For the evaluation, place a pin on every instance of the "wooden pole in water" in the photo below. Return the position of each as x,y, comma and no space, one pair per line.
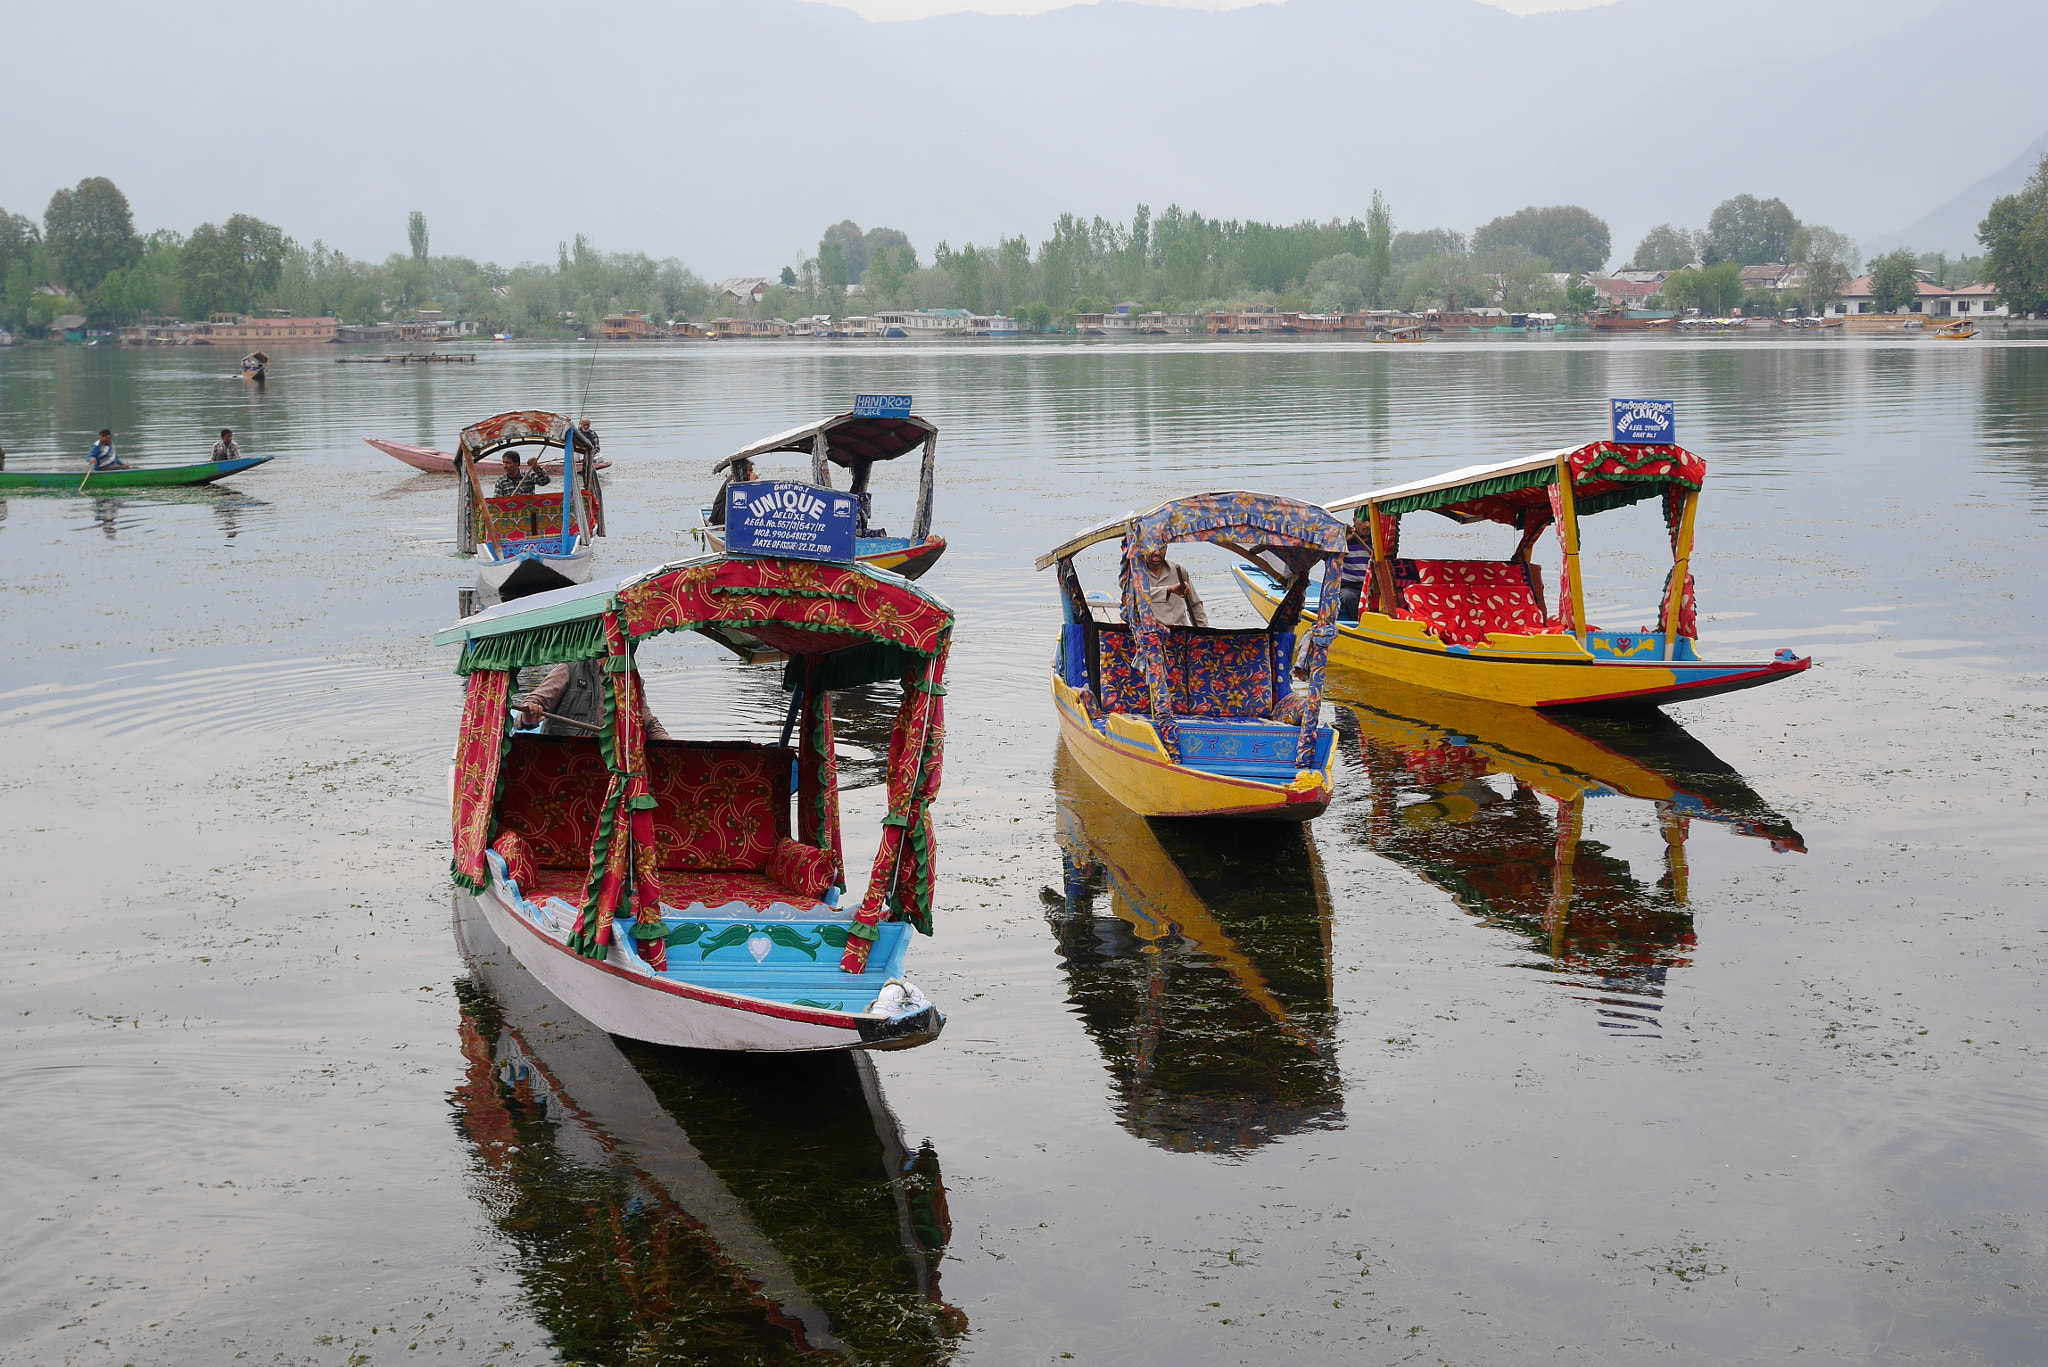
1681,566
1568,525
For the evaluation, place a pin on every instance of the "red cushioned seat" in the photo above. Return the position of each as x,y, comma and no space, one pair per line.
1462,601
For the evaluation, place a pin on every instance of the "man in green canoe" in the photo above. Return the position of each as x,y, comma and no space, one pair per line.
102,456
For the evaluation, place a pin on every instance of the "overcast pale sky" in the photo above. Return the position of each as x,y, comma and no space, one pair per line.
923,9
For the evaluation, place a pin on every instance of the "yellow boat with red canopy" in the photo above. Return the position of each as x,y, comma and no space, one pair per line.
1482,628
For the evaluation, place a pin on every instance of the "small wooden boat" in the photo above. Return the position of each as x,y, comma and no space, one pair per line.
777,1197
1199,721
527,543
1482,627
1402,335
1954,332
1198,958
660,888
206,472
443,462
855,444
255,367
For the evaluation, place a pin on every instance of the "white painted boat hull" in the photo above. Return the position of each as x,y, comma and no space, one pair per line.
528,573
622,997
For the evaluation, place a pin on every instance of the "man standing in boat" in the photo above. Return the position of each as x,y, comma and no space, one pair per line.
586,437
574,694
1171,593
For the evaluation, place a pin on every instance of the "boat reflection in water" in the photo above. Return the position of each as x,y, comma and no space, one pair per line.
670,1205
1487,801
1205,979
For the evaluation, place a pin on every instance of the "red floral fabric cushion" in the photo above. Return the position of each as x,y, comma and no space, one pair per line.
1463,600
552,789
801,868
518,856
717,808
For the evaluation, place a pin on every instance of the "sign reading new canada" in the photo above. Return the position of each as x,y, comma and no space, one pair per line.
1645,422
881,405
784,518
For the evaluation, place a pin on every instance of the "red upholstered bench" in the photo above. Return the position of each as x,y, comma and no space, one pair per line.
721,819
1462,601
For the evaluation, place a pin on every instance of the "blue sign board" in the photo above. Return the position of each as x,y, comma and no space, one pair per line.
1645,422
782,517
881,405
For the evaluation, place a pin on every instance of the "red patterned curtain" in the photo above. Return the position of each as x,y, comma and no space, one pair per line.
1148,644
623,855
479,753
906,861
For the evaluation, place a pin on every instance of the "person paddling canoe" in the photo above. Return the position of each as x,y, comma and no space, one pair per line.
101,456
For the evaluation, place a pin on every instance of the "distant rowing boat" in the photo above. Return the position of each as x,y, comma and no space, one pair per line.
443,462
163,476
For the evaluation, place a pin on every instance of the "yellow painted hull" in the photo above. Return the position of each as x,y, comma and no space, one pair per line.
1526,671
1130,765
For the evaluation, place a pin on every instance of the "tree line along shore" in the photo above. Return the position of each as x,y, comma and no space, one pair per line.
85,266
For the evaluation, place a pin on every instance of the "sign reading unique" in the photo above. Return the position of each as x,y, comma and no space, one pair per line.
1645,422
782,517
881,405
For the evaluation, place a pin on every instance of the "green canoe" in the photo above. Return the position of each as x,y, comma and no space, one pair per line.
205,473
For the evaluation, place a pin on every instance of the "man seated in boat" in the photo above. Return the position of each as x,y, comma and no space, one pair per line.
102,457
574,694
518,479
225,448
741,471
1171,593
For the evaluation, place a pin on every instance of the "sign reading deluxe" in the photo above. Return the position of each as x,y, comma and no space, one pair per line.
785,518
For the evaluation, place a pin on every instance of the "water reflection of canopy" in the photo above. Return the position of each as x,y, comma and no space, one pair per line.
524,427
1605,475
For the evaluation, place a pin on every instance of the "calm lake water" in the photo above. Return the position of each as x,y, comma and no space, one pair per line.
1710,1039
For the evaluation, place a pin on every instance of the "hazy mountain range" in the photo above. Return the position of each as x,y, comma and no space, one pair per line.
729,134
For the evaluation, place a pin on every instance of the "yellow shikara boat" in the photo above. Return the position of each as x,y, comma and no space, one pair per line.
1481,628
1954,332
1189,720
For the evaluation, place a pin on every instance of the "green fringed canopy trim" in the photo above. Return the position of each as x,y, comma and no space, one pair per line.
869,663
1645,486
549,645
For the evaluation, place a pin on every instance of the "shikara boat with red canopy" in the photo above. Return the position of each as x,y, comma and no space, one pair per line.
1189,721
527,543
662,889
1482,628
855,444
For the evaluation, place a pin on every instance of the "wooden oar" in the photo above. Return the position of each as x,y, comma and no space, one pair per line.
570,721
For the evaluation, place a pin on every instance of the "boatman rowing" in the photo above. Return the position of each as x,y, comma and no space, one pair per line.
102,456
574,694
